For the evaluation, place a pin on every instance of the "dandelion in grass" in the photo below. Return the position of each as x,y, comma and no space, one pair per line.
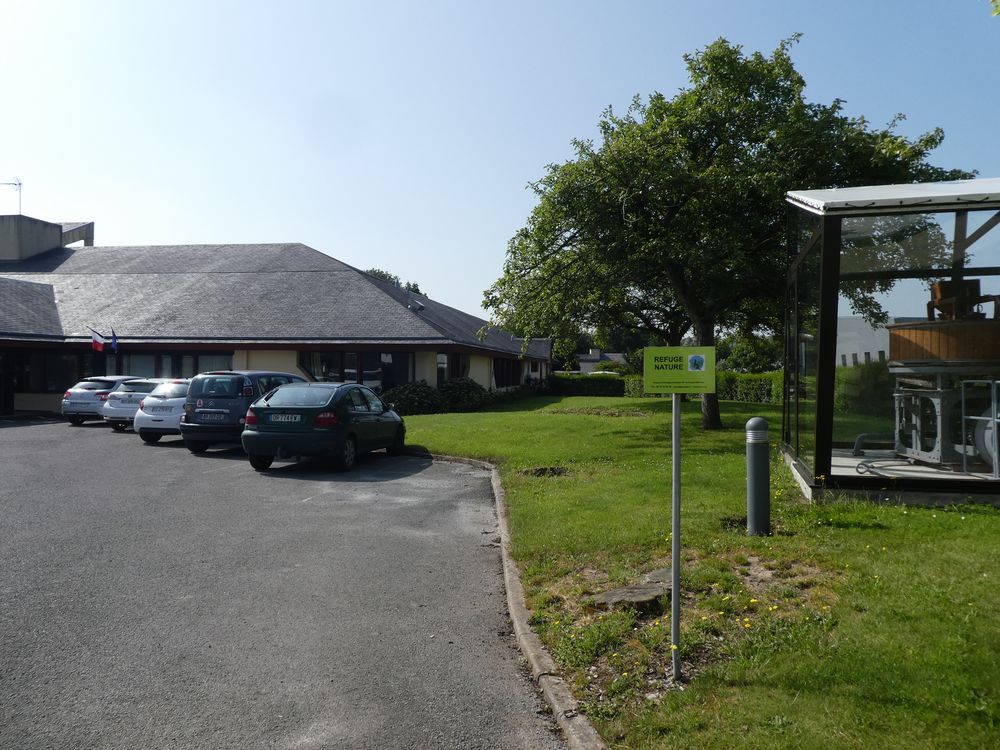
673,646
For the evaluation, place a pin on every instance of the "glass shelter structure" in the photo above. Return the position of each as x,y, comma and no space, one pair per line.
892,339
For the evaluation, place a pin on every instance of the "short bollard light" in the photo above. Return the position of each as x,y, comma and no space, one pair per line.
758,478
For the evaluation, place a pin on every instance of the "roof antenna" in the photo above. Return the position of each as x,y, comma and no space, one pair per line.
16,184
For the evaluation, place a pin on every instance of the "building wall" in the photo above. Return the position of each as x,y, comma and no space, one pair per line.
281,361
21,237
38,401
858,342
481,370
425,368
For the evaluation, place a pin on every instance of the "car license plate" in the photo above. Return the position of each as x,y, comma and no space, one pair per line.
286,417
162,409
211,417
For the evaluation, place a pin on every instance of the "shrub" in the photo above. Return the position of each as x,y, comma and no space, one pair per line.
755,388
578,384
464,394
415,398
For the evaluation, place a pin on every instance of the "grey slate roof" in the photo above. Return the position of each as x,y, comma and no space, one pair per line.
28,311
274,293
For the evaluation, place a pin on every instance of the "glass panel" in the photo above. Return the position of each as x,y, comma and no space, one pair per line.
214,362
143,365
397,369
325,366
442,361
350,367
292,395
806,350
919,331
371,370
187,366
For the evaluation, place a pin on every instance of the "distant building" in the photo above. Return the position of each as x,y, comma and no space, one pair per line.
179,310
592,361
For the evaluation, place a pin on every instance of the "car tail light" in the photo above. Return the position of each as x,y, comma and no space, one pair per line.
325,419
66,394
102,394
142,403
251,418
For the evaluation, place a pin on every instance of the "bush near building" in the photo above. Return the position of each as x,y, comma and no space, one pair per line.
578,384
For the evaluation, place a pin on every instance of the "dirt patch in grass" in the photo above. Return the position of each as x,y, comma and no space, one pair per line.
603,411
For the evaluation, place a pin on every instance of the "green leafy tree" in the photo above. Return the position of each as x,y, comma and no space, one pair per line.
750,353
392,278
674,222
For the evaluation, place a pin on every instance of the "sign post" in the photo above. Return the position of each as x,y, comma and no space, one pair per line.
677,370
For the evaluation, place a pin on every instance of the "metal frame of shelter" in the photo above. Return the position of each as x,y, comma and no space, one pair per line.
823,228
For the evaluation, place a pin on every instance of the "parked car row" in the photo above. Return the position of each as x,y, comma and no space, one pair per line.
271,414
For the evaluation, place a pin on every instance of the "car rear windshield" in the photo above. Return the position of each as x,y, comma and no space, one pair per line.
94,385
137,386
170,390
291,395
217,386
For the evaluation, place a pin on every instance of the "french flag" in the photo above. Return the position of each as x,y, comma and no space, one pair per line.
99,341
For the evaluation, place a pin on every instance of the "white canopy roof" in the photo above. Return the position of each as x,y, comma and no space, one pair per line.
881,199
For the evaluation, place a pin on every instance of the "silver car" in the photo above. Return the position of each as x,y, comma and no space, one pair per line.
121,404
84,400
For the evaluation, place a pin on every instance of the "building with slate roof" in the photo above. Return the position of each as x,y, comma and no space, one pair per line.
179,310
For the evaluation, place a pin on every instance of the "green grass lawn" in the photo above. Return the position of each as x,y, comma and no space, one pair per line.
854,625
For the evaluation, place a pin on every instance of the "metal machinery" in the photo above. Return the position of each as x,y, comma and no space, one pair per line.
947,371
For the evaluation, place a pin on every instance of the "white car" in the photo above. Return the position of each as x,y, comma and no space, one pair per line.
160,412
85,399
122,403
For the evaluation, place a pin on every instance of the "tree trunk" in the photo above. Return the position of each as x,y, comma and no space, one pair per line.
711,416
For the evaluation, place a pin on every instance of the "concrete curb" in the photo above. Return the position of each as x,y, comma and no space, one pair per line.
577,730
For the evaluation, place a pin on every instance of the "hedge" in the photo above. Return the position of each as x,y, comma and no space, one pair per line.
750,387
573,384
757,388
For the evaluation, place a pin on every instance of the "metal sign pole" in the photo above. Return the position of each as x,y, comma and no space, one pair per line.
675,538
677,370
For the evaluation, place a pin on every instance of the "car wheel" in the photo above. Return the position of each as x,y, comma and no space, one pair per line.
150,437
76,420
196,446
261,463
348,454
118,426
397,445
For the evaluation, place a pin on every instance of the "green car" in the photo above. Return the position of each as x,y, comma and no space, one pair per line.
338,420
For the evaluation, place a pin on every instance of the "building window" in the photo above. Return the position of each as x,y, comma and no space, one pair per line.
868,358
506,372
326,366
854,359
881,355
843,360
442,362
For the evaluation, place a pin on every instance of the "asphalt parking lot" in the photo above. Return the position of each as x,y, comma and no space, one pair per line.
151,598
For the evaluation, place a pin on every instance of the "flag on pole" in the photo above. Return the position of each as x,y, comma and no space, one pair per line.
97,340
114,341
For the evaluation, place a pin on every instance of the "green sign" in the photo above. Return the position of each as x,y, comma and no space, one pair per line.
679,369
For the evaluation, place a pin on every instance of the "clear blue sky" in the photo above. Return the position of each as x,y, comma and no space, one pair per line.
403,135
